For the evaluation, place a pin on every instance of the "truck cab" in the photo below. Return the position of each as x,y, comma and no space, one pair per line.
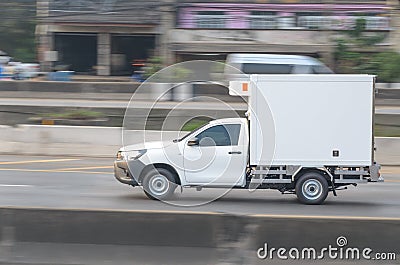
214,155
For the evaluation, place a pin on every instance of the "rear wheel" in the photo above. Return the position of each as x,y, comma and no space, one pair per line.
312,188
158,184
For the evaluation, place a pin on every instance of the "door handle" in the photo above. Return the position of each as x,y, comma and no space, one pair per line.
235,153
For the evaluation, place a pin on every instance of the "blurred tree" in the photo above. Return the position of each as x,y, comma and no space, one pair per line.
388,66
172,74
153,65
353,55
17,29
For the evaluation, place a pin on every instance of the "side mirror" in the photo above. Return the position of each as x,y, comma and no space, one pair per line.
193,142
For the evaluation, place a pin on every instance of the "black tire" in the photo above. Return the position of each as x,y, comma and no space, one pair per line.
159,184
312,188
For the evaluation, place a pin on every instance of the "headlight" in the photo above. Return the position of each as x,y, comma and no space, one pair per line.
130,155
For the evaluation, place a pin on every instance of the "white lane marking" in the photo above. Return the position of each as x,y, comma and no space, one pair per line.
55,171
38,161
15,185
84,168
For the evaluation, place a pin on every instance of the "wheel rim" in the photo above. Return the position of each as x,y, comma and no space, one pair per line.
159,185
312,189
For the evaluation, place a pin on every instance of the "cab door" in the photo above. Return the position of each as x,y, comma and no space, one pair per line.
216,156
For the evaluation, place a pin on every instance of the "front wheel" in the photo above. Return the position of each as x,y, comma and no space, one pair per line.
312,188
158,184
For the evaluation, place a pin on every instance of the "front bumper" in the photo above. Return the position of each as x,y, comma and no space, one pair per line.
122,174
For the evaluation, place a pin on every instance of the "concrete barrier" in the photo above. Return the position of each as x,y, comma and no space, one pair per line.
379,234
72,87
127,87
98,87
72,140
384,91
388,150
109,227
109,90
388,93
236,239
105,141
387,85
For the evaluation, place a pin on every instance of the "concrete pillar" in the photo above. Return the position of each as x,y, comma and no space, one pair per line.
394,37
42,9
45,44
44,38
167,12
104,54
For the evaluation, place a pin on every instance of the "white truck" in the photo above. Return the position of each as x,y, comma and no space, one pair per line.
304,135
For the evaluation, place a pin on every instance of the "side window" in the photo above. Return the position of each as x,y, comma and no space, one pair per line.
302,69
261,68
220,135
234,132
321,69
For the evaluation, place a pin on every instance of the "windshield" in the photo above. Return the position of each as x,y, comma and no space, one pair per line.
192,132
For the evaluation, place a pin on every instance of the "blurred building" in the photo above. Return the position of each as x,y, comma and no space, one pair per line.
105,36
97,36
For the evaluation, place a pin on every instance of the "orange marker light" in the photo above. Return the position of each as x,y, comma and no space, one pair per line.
245,87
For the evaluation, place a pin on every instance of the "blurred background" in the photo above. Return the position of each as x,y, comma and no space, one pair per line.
93,48
68,69
113,37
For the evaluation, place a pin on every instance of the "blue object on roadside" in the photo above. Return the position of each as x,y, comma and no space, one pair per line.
137,77
64,76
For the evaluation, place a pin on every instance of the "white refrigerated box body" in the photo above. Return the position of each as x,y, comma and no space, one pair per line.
311,120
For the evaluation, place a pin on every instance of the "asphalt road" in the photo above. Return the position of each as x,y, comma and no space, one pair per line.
88,183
